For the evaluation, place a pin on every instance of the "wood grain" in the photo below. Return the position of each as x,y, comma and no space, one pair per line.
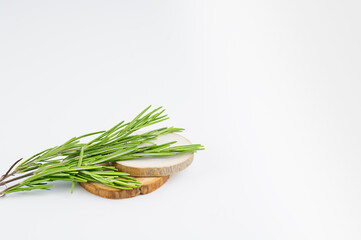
154,171
158,166
149,184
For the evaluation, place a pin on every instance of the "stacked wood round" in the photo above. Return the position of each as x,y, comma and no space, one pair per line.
151,172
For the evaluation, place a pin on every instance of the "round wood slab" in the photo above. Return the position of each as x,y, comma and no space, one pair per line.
158,166
149,184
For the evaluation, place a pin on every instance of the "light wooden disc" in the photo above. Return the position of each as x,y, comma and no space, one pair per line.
158,166
149,184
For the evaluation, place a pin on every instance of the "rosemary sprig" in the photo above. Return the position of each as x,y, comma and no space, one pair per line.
81,162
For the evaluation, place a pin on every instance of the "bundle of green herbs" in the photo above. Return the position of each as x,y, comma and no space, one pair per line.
78,161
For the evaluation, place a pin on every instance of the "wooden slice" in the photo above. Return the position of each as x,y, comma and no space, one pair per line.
148,185
158,166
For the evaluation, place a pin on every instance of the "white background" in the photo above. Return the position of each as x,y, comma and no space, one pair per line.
271,88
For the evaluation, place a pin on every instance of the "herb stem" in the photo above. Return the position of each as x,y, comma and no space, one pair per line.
3,193
16,178
6,175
